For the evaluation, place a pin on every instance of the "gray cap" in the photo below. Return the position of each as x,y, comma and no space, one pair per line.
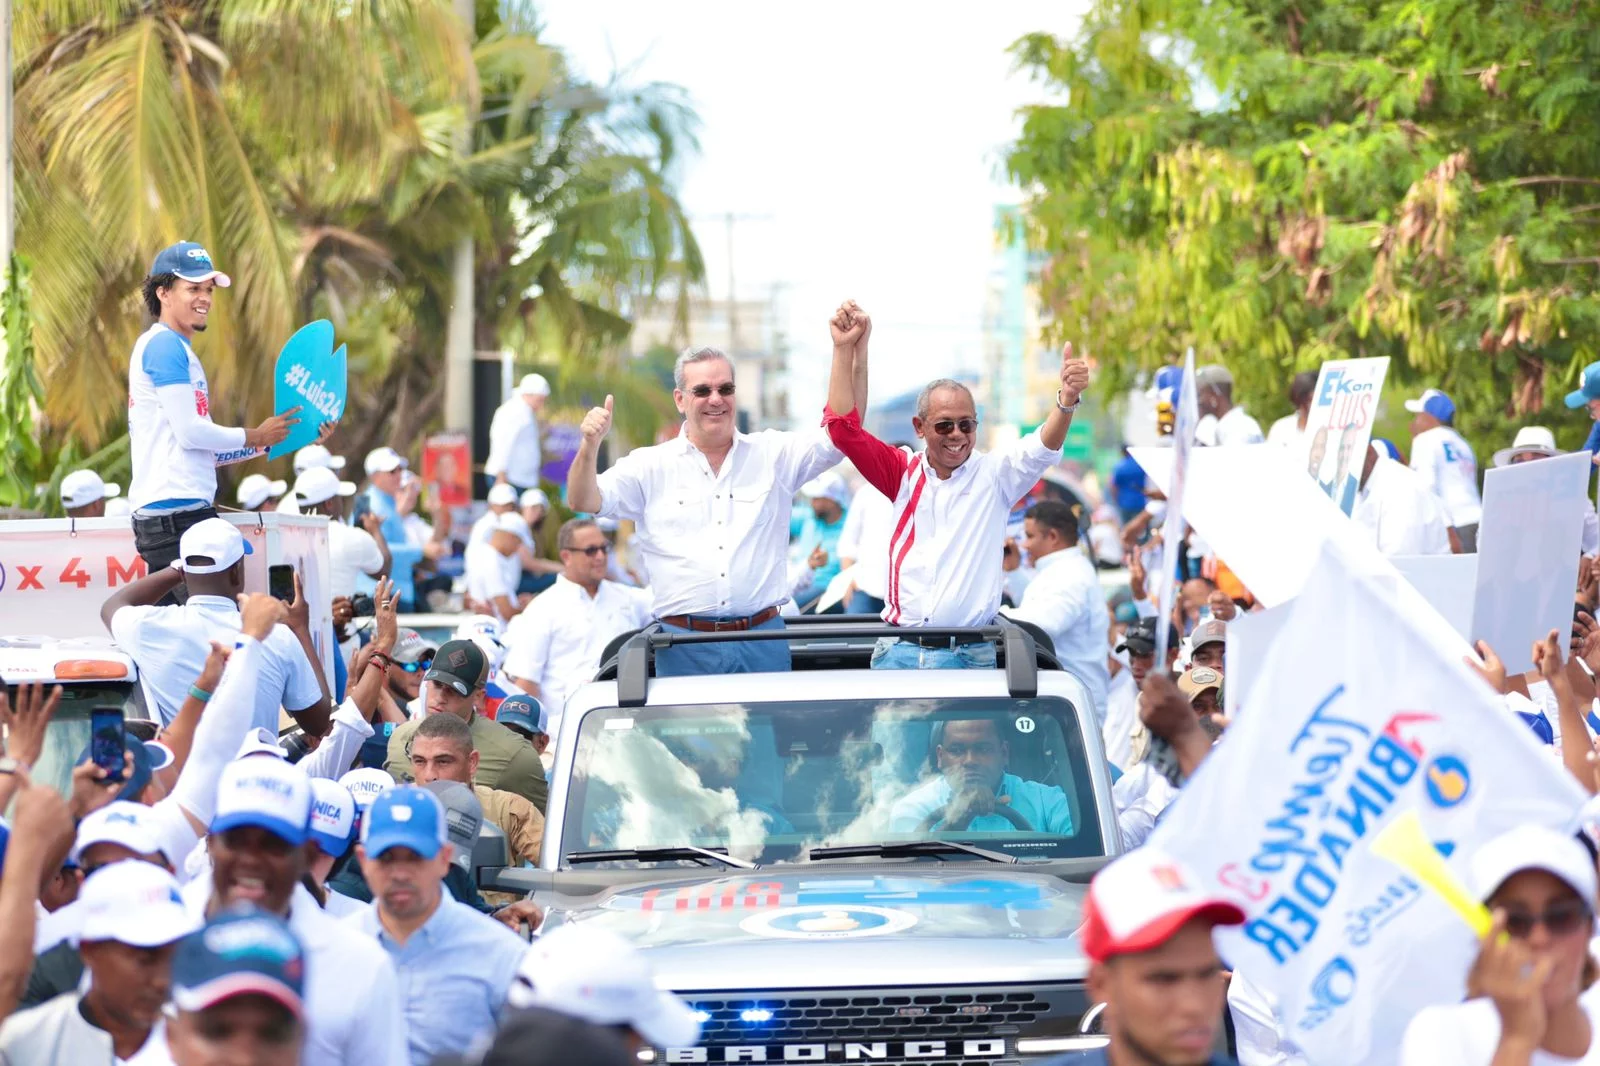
463,814
1213,375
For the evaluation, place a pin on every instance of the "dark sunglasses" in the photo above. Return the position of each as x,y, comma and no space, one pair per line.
1559,919
598,549
702,391
946,427
420,664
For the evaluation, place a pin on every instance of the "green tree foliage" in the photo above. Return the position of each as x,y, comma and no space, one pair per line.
1279,183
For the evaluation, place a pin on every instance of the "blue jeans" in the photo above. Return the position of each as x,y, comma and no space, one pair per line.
861,603
893,654
735,657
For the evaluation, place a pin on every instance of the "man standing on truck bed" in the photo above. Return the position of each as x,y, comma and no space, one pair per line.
175,447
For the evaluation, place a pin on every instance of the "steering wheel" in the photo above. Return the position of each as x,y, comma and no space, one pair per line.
1004,810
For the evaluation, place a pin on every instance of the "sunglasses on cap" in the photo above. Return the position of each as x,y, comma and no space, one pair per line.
702,391
420,664
945,426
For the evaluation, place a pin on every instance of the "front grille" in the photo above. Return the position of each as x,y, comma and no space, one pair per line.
974,1026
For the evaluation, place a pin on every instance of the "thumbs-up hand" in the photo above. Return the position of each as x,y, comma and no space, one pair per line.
597,423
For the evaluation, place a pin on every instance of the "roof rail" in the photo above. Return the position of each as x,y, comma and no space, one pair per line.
1021,652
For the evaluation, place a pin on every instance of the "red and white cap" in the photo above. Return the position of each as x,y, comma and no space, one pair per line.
1139,901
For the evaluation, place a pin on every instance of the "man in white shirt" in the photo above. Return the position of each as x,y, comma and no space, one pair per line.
84,495
1533,443
170,644
1214,392
1396,509
514,453
258,856
1445,461
951,503
351,551
864,548
133,919
258,492
310,456
502,499
1290,430
237,993
174,445
1064,598
555,645
493,568
712,514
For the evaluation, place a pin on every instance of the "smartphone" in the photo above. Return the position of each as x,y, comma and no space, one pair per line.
107,740
280,582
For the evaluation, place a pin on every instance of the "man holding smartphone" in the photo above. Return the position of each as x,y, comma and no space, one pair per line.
170,643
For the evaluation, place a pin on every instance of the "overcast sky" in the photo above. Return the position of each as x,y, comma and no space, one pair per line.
867,140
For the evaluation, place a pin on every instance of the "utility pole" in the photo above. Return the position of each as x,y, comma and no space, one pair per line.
460,339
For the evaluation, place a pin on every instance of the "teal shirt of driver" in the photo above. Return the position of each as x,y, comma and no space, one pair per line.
1044,807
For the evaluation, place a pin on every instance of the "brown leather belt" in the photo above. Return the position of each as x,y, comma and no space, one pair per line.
720,625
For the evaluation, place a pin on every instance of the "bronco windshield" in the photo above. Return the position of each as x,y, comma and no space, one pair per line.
769,781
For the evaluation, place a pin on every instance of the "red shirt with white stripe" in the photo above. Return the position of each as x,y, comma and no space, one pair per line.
949,534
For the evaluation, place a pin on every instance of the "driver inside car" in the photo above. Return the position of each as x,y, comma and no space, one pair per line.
974,792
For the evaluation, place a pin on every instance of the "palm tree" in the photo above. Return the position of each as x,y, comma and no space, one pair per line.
139,123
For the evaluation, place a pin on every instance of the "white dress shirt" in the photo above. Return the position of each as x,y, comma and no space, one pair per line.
868,524
716,543
490,574
556,643
1064,599
352,996
1286,432
1236,427
514,444
1450,471
1399,513
170,645
351,553
1122,714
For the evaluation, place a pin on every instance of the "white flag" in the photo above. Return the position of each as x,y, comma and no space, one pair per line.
1172,530
1357,717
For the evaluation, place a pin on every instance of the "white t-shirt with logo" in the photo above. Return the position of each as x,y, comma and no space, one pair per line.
1237,427
1450,471
174,445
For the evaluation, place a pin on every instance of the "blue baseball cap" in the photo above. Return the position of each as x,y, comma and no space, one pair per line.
242,951
189,261
1435,403
405,817
523,712
1588,387
145,763
269,794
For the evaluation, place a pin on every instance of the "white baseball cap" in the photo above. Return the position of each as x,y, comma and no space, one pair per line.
82,487
382,460
487,632
828,486
319,484
316,455
533,385
511,522
214,539
260,741
267,793
1528,439
1534,847
133,902
121,822
257,489
333,816
596,975
1140,900
534,498
502,495
366,785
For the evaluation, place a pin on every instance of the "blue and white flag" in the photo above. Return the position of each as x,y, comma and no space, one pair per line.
1358,716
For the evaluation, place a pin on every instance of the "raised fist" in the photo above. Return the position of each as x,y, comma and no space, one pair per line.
848,325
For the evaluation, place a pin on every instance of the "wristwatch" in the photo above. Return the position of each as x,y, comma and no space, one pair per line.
1063,407
8,765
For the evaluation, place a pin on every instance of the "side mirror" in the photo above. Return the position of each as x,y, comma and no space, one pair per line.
490,854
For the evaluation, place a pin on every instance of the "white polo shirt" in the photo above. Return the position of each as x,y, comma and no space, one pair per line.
868,525
1450,471
715,543
352,996
1064,599
1398,512
1286,432
490,574
174,445
1236,427
514,444
170,644
556,643
351,553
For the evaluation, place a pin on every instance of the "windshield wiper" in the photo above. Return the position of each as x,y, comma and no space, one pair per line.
892,848
704,856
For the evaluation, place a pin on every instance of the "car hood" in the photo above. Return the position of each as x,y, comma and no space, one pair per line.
848,929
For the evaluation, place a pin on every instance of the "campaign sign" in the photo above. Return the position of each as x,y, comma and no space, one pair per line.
1364,718
1340,425
309,375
